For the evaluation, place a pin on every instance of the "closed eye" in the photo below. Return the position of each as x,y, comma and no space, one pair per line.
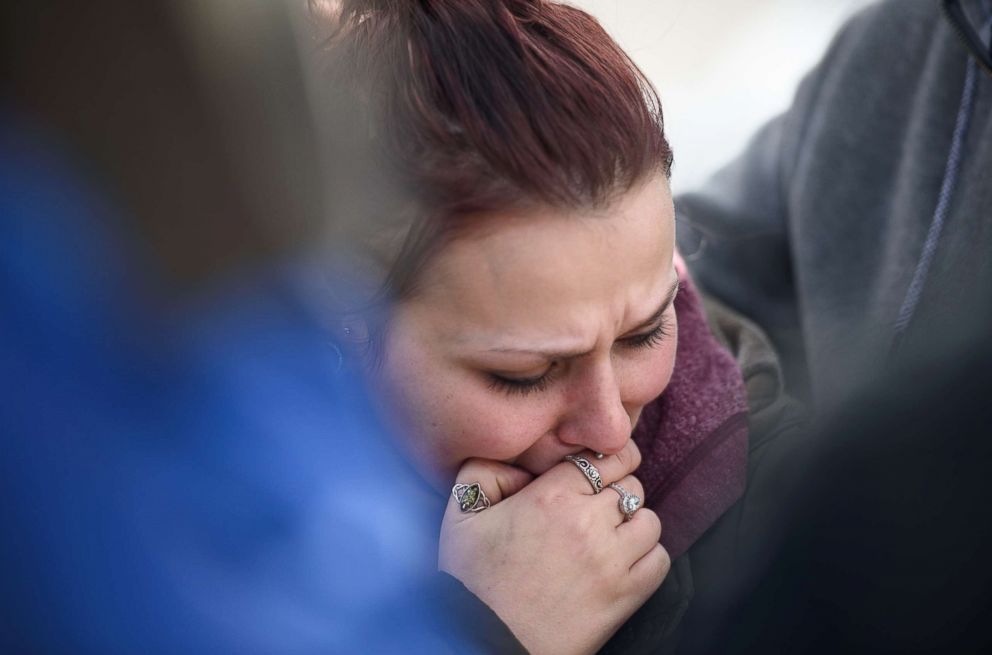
522,386
650,339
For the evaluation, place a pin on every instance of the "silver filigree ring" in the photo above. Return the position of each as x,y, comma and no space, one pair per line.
628,503
590,471
470,497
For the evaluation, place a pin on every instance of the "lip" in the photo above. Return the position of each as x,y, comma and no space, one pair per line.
539,470
547,465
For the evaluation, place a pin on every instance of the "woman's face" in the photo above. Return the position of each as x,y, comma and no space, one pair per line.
537,335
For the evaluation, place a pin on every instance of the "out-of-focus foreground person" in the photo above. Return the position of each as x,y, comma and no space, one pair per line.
188,464
884,545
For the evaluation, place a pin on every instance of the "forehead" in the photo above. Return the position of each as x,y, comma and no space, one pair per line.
553,271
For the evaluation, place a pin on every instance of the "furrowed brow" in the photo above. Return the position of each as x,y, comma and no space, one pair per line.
554,354
665,304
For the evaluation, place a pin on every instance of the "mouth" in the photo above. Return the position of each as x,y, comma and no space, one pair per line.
538,460
537,468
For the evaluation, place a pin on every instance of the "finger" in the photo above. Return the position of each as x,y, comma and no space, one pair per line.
640,534
613,497
610,469
650,571
495,479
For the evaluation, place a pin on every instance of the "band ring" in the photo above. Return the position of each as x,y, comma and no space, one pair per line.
588,470
628,502
470,497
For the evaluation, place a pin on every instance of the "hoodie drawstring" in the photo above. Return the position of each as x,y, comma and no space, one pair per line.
947,187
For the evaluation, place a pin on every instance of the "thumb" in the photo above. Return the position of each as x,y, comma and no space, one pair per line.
496,481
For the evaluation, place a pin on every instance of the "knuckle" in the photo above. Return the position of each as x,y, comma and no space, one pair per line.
586,529
634,486
550,499
651,521
586,537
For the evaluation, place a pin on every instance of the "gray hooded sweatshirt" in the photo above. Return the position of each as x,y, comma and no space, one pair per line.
856,227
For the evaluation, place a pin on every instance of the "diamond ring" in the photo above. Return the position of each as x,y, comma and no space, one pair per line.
470,497
590,471
628,502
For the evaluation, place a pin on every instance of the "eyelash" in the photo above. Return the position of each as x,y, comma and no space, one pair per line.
527,386
522,387
651,339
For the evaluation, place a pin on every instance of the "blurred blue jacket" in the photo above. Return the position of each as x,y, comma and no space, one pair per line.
184,479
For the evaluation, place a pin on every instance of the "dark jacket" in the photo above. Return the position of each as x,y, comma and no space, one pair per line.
883,545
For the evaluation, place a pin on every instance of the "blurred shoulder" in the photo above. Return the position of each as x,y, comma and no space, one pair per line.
891,24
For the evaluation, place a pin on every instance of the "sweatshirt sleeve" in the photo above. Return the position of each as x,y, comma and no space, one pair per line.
469,624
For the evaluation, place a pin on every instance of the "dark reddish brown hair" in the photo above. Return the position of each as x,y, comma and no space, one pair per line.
481,106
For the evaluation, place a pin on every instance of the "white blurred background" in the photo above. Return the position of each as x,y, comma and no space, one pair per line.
721,67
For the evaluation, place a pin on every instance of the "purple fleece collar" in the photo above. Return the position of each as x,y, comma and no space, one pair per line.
693,437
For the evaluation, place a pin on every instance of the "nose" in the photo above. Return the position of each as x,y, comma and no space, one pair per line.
595,417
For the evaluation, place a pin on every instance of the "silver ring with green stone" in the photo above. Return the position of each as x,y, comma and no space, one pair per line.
470,497
590,471
628,503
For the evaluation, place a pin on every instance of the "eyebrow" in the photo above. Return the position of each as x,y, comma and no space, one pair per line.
564,354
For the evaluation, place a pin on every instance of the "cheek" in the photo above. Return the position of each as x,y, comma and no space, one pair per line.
647,374
444,414
476,424
480,423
